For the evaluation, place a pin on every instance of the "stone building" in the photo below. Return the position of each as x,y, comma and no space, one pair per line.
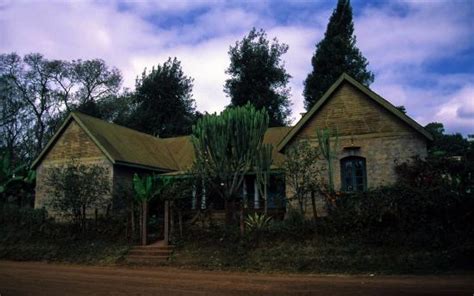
372,137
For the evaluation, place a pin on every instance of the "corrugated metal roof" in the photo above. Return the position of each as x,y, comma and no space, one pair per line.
124,146
128,145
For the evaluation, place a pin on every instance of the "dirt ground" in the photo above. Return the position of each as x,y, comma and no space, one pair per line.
27,278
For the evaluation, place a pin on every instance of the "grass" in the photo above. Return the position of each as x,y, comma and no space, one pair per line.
318,255
20,244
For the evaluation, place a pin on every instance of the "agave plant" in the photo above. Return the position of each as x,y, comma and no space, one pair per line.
257,222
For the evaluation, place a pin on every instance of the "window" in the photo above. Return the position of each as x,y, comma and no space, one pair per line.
353,174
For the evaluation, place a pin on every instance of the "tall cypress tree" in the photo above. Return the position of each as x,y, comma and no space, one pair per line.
335,54
258,76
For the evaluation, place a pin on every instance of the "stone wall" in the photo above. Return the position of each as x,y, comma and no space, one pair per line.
73,143
367,130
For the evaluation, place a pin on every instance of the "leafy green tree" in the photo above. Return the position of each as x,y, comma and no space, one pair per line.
335,54
76,189
37,93
164,103
303,174
446,144
258,76
226,146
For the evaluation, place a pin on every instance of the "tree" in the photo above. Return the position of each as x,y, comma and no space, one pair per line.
335,54
31,79
303,174
164,103
258,76
37,93
77,188
226,146
446,144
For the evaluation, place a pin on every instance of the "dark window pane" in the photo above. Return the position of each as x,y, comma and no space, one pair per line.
353,174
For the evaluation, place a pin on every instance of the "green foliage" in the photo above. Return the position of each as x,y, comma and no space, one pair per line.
37,93
431,204
257,222
328,151
75,189
143,188
163,101
146,189
150,187
303,174
445,145
262,170
28,234
336,54
258,76
226,146
14,180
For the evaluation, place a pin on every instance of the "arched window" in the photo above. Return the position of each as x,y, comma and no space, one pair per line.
353,174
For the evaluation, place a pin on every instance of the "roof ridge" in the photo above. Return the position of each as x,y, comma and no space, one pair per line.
364,89
115,124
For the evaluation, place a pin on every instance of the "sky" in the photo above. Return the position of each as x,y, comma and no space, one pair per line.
421,52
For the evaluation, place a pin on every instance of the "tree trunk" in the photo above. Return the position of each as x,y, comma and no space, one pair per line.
132,221
144,226
83,222
171,219
96,218
228,212
300,201
242,225
265,195
166,223
313,203
180,223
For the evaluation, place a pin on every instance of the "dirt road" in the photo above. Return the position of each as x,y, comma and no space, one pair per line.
26,278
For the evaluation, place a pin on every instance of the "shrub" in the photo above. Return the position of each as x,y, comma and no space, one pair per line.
76,189
431,204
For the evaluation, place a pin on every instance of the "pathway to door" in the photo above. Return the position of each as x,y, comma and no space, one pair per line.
26,278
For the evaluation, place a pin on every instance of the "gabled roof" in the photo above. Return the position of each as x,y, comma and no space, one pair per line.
128,147
370,94
182,148
121,145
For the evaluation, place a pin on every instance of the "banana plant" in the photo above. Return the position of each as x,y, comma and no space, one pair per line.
143,188
8,175
146,189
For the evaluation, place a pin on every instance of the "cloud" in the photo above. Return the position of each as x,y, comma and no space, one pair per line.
400,39
458,112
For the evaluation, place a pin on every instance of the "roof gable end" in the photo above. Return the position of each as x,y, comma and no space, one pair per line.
344,78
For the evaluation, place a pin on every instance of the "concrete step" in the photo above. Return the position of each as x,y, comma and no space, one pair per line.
144,252
143,260
150,254
152,247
